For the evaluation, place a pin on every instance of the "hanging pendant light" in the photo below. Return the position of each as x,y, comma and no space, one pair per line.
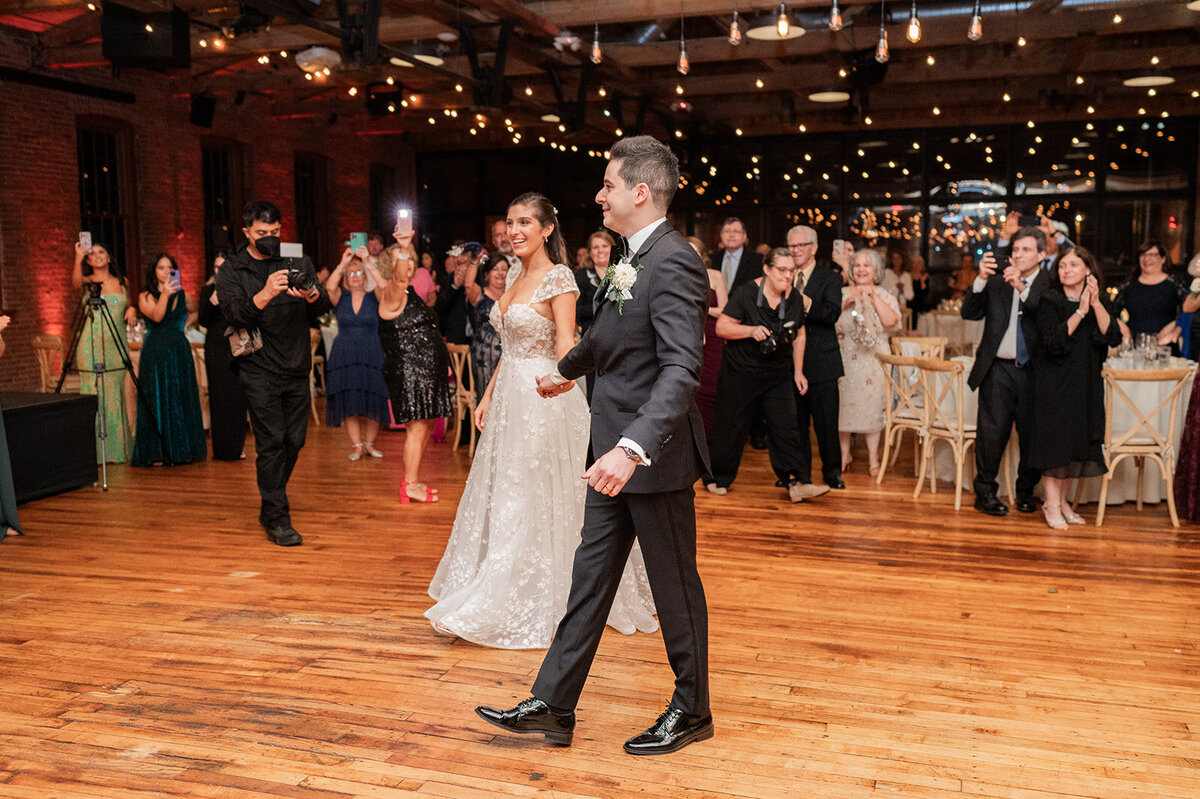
781,24
597,56
735,32
975,31
914,25
835,18
881,50
683,67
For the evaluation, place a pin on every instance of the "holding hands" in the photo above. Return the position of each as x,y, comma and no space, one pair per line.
547,387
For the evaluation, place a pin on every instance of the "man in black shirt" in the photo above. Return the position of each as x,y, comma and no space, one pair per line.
279,298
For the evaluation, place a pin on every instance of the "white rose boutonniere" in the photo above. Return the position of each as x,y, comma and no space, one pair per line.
621,279
1195,289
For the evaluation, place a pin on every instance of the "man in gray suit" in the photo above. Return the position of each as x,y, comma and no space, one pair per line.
647,448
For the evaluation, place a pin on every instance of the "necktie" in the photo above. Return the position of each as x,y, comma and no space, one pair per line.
1022,350
800,281
727,270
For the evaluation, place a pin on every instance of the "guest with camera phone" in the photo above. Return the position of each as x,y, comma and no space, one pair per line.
270,303
763,325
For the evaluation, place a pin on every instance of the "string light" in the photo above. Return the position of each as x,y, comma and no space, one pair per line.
1021,41
975,30
914,25
1116,19
835,17
930,60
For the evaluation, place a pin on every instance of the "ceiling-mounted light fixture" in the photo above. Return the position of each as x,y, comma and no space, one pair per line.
683,67
597,56
781,24
835,17
975,30
881,49
829,96
735,31
1148,80
914,25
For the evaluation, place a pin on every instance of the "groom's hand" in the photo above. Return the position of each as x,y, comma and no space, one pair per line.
610,472
547,388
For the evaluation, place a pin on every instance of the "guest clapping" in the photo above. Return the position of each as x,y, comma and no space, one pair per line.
357,396
167,373
870,314
1151,298
763,325
415,365
1075,328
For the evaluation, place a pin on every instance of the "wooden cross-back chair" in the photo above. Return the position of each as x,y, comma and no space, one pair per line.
929,346
1142,439
904,409
945,393
464,396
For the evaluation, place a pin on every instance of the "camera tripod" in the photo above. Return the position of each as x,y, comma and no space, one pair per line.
94,307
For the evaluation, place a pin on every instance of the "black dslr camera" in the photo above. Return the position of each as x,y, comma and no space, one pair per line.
781,338
302,277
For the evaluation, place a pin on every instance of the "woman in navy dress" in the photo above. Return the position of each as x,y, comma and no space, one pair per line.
354,388
167,373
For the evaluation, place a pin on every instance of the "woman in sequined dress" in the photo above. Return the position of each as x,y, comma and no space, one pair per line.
416,366
504,577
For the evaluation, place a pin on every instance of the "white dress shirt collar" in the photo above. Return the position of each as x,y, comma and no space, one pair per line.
638,239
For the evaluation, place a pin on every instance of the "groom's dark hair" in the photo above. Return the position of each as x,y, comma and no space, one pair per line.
644,159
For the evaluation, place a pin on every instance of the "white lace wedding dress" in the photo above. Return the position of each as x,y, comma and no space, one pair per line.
504,577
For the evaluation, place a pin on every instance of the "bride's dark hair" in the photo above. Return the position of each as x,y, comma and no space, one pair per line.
543,211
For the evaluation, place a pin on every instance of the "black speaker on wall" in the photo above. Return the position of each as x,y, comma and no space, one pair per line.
157,40
204,106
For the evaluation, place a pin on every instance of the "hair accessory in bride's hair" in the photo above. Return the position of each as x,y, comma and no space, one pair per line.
555,210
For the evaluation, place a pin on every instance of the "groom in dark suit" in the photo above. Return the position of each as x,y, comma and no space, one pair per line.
647,448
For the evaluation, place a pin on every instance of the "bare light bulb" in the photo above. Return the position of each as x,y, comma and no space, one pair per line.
975,31
881,50
914,25
835,17
781,25
683,67
597,56
735,32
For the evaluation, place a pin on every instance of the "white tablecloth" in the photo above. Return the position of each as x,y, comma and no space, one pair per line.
1123,487
962,335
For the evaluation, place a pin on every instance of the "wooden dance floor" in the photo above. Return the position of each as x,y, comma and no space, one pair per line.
153,643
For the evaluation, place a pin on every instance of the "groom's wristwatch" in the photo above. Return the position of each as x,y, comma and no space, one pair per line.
632,454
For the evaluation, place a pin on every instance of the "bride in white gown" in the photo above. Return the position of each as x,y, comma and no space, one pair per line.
504,577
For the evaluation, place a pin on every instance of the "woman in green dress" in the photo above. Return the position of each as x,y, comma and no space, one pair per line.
97,345
8,495
167,373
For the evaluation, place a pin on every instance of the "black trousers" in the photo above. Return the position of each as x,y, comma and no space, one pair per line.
665,526
279,407
1005,397
741,400
820,406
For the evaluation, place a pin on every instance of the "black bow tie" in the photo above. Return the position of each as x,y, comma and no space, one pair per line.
622,247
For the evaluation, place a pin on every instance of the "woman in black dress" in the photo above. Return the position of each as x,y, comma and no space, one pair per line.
416,366
1075,327
226,404
1150,300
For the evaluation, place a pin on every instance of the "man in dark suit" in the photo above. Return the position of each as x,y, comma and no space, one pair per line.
736,262
1005,299
822,291
647,448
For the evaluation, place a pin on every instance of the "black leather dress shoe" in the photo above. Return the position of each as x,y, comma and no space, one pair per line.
991,506
284,536
837,483
532,716
673,731
1026,504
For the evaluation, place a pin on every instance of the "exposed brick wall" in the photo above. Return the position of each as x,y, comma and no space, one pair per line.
39,197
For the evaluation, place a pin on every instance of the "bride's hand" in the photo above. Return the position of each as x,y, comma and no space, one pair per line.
481,410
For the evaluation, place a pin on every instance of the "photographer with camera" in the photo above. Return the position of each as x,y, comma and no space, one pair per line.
763,325
270,302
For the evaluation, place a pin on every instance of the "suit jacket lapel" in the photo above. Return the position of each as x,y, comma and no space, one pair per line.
601,297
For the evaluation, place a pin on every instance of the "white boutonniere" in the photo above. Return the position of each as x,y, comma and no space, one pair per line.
621,279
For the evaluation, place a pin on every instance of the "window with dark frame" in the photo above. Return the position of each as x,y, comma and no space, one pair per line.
106,192
221,173
310,186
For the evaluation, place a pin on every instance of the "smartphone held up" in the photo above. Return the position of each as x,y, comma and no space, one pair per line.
404,221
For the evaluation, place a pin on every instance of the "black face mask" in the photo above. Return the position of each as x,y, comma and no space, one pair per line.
267,246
